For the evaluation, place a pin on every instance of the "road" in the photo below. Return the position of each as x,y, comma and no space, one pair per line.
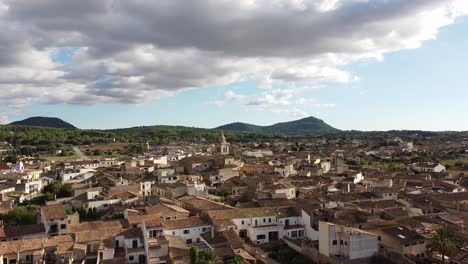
80,154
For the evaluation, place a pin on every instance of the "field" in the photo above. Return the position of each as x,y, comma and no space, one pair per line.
453,162
104,147
59,158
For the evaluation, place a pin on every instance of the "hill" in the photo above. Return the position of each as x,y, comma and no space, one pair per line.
43,122
305,126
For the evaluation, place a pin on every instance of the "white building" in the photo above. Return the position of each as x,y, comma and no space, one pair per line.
261,225
346,242
155,244
188,229
55,219
81,174
286,170
428,167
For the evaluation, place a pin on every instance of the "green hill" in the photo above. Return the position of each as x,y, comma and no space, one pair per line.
43,122
305,126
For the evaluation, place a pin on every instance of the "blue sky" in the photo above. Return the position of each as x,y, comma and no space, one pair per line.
362,65
424,88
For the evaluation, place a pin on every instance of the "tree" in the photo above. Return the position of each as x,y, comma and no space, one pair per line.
194,255
236,260
209,257
442,241
20,215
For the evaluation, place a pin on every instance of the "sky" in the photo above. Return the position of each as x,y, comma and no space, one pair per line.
362,65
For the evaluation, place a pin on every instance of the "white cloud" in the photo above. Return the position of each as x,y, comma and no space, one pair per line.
278,97
228,96
136,51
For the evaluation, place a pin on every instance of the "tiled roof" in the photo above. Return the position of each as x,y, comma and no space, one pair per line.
22,230
54,212
4,166
184,223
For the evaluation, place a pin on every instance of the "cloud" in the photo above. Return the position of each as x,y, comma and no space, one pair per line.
228,96
278,97
136,51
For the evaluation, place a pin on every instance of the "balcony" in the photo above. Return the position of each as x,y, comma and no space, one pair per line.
154,242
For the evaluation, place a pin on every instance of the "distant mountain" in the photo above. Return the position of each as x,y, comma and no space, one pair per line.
44,122
305,126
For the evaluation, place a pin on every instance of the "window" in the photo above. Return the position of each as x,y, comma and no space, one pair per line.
63,226
264,220
269,220
379,238
189,241
406,245
130,258
28,257
242,222
173,233
341,242
260,236
335,242
204,229
186,231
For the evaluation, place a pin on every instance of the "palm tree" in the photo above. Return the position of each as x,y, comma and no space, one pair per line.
441,241
209,257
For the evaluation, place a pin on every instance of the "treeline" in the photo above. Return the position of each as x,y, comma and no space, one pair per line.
29,140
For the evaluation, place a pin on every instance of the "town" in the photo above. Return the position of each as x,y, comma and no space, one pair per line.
392,199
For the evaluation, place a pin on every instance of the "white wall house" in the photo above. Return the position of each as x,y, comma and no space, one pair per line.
55,220
345,242
286,170
306,221
82,174
260,225
155,244
428,167
188,229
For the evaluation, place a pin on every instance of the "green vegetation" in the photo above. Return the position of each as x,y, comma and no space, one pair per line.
236,260
219,192
442,242
31,140
204,257
305,126
89,214
455,162
20,215
194,255
55,190
285,255
44,122
61,190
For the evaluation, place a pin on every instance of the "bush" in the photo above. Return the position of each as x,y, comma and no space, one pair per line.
20,215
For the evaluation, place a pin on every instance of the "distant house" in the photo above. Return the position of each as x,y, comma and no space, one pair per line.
189,229
402,240
260,225
428,167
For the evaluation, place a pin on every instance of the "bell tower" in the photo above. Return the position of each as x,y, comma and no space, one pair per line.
222,146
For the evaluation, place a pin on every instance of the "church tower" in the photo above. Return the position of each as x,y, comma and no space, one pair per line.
222,146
